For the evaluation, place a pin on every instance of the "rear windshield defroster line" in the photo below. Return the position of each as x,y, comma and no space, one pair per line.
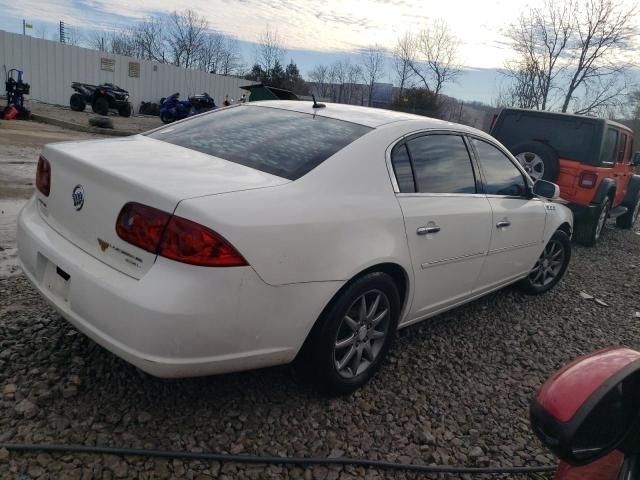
276,141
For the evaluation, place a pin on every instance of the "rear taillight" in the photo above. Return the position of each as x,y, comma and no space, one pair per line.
142,226
43,176
190,242
588,179
175,237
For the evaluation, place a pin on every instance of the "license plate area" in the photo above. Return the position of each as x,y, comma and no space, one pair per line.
56,280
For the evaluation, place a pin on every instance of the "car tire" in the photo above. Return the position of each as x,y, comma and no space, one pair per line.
538,159
125,110
545,274
101,106
587,233
628,220
321,355
77,103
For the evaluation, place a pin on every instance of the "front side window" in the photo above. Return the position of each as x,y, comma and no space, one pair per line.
280,142
502,177
441,164
609,148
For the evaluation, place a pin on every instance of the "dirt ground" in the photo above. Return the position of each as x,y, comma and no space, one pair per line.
20,145
135,123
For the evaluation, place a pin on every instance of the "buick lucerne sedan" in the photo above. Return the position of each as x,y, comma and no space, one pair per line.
276,231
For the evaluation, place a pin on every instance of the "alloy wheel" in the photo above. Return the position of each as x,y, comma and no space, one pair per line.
532,164
548,265
361,334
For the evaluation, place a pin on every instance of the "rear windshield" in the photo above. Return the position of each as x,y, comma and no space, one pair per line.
280,142
573,138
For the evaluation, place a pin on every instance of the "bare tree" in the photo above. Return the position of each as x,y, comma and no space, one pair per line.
150,38
339,74
186,34
403,55
269,50
373,61
231,61
540,38
211,52
320,76
435,63
354,75
604,30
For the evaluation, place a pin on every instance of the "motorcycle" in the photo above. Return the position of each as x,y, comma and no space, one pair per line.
172,108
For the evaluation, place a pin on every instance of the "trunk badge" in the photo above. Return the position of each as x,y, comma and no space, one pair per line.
78,197
103,245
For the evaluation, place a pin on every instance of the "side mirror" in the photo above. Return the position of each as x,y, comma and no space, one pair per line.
636,159
545,189
590,407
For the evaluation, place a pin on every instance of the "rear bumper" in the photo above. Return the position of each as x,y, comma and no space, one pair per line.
178,320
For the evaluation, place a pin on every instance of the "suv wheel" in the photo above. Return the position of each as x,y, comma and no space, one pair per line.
588,233
540,161
349,344
550,267
628,220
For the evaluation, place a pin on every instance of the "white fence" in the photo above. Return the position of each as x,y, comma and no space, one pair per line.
50,67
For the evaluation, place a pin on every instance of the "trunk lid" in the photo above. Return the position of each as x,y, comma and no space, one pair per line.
92,180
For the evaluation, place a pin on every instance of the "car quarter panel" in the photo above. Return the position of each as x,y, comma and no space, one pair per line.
337,220
179,319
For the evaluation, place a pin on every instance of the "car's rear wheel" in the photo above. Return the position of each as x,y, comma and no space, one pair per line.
589,232
550,266
349,344
540,161
628,220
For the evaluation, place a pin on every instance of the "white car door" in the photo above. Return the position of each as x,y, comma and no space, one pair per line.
448,223
518,219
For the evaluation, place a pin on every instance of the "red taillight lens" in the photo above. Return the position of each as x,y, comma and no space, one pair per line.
43,176
190,242
142,226
175,237
588,179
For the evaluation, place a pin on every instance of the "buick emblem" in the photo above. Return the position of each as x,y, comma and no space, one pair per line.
78,197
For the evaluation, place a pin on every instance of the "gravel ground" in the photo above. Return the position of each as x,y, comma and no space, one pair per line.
454,391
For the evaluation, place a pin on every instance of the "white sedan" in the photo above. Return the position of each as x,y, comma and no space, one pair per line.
272,231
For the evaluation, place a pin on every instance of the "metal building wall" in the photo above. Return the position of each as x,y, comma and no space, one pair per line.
50,67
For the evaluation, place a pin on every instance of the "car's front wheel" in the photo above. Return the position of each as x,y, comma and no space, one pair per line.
349,344
550,266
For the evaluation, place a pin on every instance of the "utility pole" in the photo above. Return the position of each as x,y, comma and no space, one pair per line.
24,27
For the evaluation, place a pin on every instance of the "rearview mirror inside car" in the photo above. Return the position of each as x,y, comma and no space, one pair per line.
590,407
545,189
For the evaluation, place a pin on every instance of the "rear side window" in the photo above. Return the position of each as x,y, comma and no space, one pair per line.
502,177
280,142
609,146
441,164
622,146
402,168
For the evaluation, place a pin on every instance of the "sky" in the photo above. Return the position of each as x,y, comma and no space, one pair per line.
312,32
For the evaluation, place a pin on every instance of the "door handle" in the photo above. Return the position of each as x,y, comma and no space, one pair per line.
427,230
503,224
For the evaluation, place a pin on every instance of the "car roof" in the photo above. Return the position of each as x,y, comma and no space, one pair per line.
543,113
369,117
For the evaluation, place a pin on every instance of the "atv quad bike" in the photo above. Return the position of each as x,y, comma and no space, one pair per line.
102,98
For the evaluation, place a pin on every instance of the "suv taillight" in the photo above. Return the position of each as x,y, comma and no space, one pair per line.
43,176
175,237
588,179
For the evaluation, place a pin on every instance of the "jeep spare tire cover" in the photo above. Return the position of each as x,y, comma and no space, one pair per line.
538,159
